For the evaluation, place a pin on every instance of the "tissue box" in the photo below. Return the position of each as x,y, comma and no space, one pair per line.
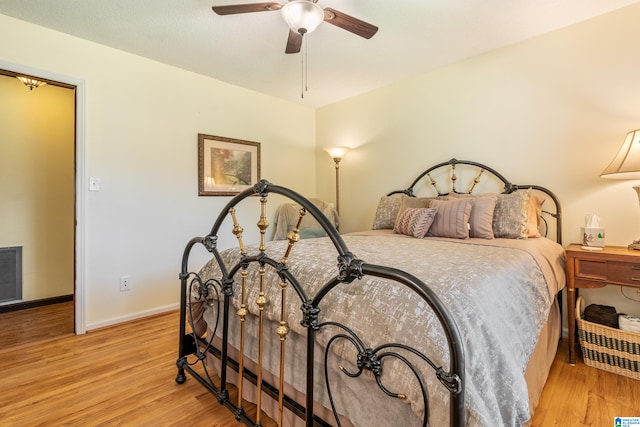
592,236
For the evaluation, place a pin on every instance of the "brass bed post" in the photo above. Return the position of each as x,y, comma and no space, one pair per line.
283,329
434,183
242,311
237,231
293,236
454,178
475,182
263,223
282,332
261,302
242,314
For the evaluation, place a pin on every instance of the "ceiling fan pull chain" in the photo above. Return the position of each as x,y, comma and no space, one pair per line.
302,85
304,59
306,64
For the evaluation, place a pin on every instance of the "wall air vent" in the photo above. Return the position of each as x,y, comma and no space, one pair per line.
10,274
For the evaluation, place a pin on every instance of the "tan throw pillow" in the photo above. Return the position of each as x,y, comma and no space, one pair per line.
511,214
535,212
414,202
387,211
414,222
452,218
481,217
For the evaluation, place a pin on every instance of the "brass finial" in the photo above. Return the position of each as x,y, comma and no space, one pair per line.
237,230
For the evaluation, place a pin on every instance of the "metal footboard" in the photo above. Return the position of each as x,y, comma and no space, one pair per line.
233,281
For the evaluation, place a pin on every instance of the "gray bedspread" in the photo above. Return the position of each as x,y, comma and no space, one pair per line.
499,292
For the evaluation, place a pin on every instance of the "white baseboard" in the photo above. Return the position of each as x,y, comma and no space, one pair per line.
140,314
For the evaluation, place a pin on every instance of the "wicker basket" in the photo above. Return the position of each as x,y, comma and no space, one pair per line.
606,348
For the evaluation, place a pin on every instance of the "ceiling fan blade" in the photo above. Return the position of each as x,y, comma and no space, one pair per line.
246,8
294,42
349,23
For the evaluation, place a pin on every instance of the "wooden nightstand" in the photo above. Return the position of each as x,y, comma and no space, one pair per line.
614,265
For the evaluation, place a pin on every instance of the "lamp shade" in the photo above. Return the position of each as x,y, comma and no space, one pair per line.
337,152
302,16
626,164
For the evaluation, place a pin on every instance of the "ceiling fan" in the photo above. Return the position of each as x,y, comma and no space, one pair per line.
303,16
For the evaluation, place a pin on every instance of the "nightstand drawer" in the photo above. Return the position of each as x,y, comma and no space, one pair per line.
591,269
623,272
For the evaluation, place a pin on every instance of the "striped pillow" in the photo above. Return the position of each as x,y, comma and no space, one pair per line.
481,216
414,222
452,218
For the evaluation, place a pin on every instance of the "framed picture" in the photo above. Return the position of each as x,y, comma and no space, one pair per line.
226,166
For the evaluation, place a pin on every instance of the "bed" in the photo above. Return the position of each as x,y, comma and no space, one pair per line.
444,313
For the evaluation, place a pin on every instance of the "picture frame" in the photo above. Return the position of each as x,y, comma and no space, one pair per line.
226,166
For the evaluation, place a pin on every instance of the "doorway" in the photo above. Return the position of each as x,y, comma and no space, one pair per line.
64,258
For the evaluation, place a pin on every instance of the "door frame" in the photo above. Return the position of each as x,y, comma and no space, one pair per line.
80,128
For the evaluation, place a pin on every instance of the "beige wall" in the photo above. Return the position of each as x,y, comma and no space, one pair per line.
552,110
142,122
37,184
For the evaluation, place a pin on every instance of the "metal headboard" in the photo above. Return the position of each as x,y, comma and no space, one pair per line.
552,211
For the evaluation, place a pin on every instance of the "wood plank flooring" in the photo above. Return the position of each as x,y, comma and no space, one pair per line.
125,375
122,375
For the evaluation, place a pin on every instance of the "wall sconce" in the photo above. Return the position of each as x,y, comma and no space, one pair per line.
337,153
626,165
31,83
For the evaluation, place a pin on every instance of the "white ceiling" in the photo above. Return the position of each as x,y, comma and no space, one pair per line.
247,50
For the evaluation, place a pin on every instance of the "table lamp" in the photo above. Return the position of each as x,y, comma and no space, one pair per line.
626,165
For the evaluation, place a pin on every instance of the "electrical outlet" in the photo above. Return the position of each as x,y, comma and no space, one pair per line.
125,283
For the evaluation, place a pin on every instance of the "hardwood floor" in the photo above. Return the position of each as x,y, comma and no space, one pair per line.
580,395
36,324
124,375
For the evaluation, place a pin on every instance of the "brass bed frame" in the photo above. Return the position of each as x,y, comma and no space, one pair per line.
218,292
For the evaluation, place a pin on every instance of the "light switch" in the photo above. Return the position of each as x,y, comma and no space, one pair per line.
94,184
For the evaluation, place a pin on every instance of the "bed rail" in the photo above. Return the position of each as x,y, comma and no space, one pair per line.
232,280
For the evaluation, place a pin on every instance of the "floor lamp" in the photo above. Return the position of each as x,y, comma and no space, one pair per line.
626,165
337,153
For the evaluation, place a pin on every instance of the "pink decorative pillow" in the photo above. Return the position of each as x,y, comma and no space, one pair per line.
452,218
414,222
481,217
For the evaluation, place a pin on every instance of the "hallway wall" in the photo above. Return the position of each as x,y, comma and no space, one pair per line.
37,184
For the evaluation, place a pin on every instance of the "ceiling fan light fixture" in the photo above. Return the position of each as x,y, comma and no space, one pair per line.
302,16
